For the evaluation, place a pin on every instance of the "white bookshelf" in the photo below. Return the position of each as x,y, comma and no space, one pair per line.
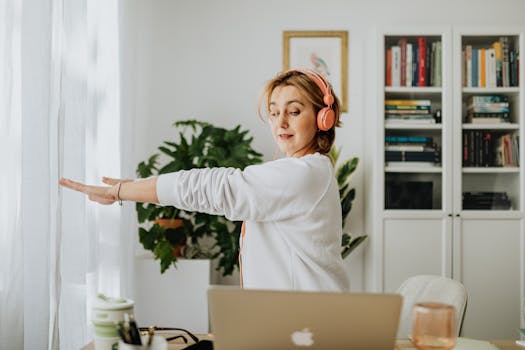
484,249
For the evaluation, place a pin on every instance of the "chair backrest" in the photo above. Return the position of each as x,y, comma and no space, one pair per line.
423,288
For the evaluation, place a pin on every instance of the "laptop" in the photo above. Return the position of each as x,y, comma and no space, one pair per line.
243,319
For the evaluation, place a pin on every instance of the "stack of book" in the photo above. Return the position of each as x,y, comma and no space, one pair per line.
414,62
410,151
408,112
483,148
488,109
491,66
486,200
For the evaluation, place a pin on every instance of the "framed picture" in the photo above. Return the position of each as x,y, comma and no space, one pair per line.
324,51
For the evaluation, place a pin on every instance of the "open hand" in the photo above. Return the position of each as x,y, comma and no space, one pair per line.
100,194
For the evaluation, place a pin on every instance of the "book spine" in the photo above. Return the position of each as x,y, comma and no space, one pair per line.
439,59
491,68
408,102
415,66
475,80
403,48
396,66
422,46
409,69
388,70
468,58
483,68
505,68
499,62
487,98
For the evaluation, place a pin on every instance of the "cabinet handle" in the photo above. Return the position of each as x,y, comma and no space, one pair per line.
449,215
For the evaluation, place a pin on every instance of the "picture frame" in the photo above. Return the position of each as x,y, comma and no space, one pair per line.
324,51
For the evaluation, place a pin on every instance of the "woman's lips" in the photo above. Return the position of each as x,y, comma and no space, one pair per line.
285,136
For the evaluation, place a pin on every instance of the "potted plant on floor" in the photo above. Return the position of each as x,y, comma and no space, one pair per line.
347,195
171,233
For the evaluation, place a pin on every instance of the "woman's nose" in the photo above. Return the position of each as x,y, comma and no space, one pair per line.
282,120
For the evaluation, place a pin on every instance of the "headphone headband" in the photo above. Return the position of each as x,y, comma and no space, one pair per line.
321,82
326,116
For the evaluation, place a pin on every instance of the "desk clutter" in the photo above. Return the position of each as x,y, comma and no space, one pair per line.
115,328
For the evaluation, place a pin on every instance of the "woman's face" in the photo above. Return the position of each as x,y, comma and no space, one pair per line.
292,120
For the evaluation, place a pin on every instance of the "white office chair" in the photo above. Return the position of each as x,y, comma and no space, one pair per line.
423,288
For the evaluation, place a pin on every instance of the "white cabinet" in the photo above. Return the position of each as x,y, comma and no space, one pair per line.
460,213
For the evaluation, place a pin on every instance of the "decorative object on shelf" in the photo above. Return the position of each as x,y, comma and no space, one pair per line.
347,195
191,234
323,51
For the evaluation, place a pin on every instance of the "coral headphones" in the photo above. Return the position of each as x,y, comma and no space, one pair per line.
326,116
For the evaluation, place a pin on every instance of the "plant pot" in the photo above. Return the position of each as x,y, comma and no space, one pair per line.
177,251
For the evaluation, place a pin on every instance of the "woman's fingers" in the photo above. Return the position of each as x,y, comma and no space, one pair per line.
100,194
112,181
77,186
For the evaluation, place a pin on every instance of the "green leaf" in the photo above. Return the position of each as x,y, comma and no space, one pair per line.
352,245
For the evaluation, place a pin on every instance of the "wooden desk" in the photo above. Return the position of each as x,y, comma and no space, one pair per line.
404,344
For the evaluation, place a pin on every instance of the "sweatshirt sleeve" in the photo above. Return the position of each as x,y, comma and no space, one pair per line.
275,190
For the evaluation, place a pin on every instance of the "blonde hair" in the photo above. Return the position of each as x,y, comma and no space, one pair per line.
323,140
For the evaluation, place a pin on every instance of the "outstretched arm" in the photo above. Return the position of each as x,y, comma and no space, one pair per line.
137,191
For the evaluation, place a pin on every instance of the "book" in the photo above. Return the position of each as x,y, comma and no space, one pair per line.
409,63
487,117
403,49
468,65
487,98
499,61
488,108
437,63
396,66
475,68
482,68
407,102
490,57
422,66
425,156
486,120
388,69
505,65
408,139
406,147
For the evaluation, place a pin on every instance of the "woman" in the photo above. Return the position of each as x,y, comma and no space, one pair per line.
291,237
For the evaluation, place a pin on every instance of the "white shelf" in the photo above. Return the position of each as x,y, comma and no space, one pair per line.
413,169
401,126
490,170
496,90
500,126
414,89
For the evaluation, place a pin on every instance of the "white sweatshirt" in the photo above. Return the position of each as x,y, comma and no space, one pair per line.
293,218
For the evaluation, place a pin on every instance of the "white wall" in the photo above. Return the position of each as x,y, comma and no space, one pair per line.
209,60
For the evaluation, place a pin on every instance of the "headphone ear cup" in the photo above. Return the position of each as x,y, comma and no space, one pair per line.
325,119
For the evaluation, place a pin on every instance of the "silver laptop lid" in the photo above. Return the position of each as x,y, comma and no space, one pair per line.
261,319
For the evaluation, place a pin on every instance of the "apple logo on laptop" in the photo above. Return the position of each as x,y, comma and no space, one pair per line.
303,337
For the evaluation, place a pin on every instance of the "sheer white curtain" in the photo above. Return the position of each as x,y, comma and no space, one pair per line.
60,116
11,268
